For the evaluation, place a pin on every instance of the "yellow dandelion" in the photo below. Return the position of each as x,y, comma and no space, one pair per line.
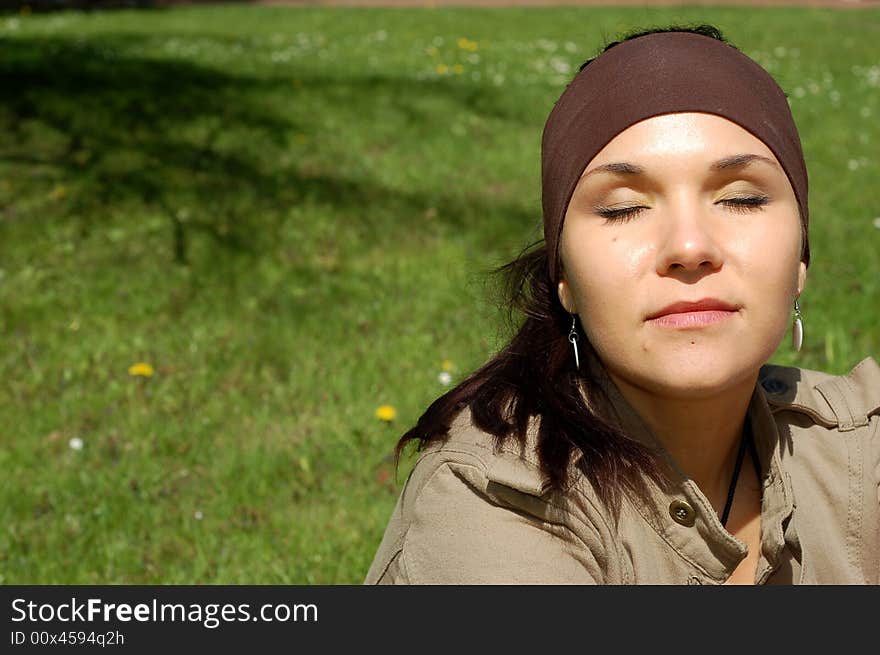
141,369
466,44
458,69
447,365
441,69
386,413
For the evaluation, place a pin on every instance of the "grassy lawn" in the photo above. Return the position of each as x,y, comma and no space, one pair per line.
287,214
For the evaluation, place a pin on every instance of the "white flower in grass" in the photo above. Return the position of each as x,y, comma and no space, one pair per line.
75,443
559,65
198,515
445,377
877,222
853,164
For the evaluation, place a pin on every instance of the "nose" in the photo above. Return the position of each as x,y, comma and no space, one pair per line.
689,241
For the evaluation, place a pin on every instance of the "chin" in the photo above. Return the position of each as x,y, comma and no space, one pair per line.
693,390
696,375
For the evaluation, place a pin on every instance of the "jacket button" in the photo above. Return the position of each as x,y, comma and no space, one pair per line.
774,385
681,512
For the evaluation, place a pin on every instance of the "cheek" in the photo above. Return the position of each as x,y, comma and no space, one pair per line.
766,263
770,257
603,279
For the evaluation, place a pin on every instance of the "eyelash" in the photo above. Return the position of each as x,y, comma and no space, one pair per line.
745,204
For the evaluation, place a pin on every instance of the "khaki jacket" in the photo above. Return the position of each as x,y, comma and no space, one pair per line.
468,514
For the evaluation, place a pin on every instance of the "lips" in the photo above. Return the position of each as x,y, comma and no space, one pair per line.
703,305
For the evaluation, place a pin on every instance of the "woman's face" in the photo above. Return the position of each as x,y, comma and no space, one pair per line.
671,222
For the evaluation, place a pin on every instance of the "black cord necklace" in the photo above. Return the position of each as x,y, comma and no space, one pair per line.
746,440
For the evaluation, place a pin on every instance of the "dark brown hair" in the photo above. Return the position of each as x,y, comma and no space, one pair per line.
535,375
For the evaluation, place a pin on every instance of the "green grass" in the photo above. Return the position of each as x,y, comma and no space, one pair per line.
287,212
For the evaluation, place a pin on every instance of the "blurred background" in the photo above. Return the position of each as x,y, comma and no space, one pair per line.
244,246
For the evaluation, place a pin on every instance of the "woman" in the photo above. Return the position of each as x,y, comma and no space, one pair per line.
632,431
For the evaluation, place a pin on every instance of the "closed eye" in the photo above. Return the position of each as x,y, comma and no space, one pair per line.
742,204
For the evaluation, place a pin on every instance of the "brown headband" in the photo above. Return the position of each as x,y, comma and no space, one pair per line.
661,73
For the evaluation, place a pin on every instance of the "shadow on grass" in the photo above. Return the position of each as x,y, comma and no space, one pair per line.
119,128
207,150
28,6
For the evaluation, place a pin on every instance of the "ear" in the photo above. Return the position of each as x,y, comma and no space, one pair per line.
802,277
565,296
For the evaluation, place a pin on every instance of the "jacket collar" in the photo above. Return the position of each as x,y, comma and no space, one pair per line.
706,544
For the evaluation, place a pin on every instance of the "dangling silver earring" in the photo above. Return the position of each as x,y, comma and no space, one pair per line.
573,338
797,329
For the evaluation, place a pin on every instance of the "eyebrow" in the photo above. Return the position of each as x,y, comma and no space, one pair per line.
727,163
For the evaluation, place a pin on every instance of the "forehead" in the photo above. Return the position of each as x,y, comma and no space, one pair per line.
684,135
